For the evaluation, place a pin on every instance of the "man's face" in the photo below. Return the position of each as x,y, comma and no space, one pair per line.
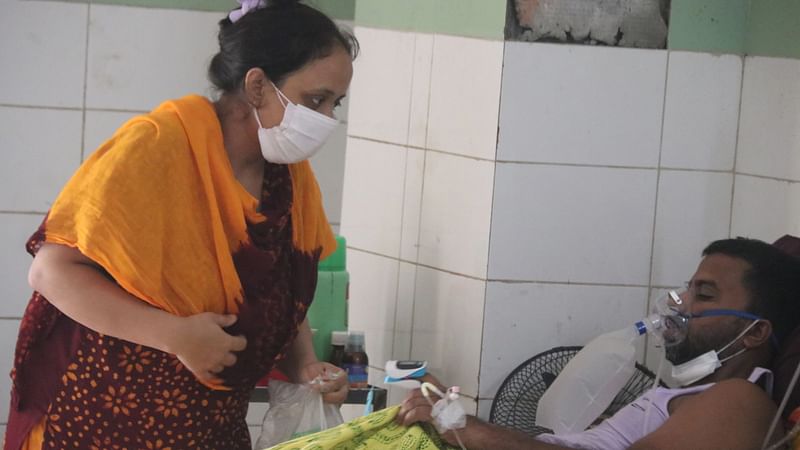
717,284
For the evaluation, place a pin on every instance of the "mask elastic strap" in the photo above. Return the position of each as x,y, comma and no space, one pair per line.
739,336
258,121
281,96
732,356
741,314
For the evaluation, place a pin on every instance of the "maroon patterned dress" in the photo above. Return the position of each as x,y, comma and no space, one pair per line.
98,392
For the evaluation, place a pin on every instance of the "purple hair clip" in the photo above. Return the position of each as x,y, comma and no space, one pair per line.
247,6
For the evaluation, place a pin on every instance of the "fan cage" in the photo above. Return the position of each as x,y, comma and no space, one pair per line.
516,401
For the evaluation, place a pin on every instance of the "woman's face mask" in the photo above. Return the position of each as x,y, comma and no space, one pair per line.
300,135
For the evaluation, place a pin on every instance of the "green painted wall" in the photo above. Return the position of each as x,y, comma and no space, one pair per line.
752,27
774,28
338,9
718,26
473,18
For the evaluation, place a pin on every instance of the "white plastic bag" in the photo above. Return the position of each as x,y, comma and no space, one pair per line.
295,410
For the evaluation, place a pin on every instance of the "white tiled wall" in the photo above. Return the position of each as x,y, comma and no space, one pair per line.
764,208
418,190
132,70
581,104
572,224
766,198
701,111
372,306
382,80
73,73
524,319
43,52
448,319
613,169
769,129
41,149
464,96
373,195
694,209
456,211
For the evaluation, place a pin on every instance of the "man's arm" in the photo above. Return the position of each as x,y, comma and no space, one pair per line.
476,435
732,414
480,435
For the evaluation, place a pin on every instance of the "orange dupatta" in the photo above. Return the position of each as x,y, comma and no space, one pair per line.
177,256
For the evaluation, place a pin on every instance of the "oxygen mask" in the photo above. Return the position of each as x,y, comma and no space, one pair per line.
668,321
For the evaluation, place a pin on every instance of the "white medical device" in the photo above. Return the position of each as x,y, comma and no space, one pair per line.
405,373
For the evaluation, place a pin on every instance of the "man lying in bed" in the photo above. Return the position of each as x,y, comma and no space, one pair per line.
727,409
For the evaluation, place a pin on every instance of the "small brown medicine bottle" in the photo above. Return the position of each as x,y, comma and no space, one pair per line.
355,362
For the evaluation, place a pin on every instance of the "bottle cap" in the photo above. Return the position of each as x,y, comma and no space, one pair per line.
355,339
339,338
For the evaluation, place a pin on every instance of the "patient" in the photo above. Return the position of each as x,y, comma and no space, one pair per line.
754,289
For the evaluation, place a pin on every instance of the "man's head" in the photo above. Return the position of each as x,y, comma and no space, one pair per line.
744,275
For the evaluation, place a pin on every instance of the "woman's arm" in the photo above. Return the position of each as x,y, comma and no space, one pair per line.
301,354
79,288
302,366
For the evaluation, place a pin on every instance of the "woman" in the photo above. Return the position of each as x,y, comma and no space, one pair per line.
176,267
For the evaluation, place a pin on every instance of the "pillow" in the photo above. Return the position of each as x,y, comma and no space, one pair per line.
788,357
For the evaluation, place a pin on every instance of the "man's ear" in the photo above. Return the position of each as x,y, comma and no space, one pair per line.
758,335
256,85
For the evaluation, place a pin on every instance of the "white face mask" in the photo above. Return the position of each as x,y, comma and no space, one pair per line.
705,364
300,135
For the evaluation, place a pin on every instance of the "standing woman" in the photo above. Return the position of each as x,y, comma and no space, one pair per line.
176,267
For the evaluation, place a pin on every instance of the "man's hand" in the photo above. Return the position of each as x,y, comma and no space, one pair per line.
416,408
332,383
201,344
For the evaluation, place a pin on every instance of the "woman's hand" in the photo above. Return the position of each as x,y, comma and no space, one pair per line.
328,379
201,344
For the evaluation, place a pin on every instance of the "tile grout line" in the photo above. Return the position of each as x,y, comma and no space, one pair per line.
766,177
85,78
421,195
508,281
574,283
73,108
27,213
491,218
57,108
565,164
736,148
403,204
655,205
